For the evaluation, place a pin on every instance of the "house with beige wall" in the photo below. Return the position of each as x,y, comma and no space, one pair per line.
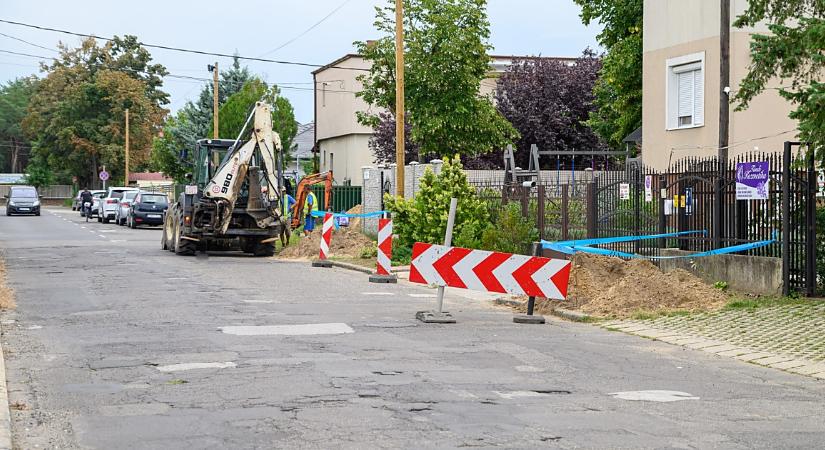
681,87
342,143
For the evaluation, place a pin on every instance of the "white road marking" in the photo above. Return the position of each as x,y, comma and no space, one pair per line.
288,330
422,295
518,394
191,366
118,240
654,396
85,227
104,237
377,293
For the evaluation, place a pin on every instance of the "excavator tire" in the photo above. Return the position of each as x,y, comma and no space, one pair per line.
183,247
264,249
247,245
164,241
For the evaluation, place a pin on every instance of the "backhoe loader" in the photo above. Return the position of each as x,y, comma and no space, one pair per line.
233,197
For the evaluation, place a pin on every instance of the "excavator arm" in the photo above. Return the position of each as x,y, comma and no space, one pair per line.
302,192
224,188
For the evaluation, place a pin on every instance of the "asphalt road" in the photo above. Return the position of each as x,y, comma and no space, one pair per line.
117,344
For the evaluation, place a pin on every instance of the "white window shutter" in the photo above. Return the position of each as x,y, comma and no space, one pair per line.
699,97
685,103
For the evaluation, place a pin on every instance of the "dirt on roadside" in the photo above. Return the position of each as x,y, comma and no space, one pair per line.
602,286
6,293
346,242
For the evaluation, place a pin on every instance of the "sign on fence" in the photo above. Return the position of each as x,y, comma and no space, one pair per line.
482,270
648,188
752,180
624,191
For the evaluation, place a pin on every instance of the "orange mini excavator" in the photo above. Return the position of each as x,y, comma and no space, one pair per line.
302,191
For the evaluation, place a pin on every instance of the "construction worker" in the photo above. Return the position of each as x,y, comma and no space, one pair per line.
310,205
289,202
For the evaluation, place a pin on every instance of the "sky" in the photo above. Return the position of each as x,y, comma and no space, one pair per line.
257,27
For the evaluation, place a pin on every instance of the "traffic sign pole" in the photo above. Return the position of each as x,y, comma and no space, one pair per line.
439,316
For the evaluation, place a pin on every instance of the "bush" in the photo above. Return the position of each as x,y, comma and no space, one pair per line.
424,218
510,232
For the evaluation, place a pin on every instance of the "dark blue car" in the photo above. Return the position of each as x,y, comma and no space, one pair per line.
23,200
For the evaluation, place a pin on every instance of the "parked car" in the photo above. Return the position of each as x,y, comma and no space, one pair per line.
123,206
109,203
96,195
22,200
148,208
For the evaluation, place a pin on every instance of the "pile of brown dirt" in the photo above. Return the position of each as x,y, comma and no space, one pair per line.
6,293
347,242
611,287
355,222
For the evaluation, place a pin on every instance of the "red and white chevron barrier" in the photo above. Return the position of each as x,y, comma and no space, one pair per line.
482,270
326,235
384,246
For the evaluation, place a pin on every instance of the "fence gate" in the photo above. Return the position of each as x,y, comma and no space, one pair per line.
621,206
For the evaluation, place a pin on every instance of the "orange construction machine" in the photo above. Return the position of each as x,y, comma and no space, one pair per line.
302,191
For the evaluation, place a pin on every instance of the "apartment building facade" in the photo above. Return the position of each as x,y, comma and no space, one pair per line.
681,85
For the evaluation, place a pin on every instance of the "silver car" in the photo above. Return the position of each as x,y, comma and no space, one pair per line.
123,206
110,203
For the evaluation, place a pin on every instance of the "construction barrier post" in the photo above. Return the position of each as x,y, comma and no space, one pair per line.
440,316
384,264
529,318
326,238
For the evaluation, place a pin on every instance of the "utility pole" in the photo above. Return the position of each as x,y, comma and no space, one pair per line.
724,80
214,70
399,99
724,117
127,149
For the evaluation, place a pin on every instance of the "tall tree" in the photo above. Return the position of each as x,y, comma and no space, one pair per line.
237,108
14,101
792,52
194,121
619,88
446,44
549,101
76,115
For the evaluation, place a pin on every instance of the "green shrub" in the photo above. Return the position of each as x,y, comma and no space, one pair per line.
401,255
424,218
510,232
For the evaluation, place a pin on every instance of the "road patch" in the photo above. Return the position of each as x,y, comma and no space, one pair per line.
653,396
288,330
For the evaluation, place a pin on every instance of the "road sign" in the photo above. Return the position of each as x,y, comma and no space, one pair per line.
103,175
487,271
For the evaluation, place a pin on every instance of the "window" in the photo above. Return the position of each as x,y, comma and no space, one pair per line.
686,91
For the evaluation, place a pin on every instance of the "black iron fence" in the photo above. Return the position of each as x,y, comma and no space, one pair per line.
695,195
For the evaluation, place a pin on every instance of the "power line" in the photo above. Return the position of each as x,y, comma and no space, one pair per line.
26,54
27,42
308,29
183,50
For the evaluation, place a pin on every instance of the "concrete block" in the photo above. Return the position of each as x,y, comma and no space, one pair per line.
755,274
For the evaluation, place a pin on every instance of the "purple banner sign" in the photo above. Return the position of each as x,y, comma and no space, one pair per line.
752,180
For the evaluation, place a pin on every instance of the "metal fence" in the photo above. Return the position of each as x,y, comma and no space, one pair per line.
695,195
343,197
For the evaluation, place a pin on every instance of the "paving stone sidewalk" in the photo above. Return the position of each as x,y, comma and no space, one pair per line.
786,337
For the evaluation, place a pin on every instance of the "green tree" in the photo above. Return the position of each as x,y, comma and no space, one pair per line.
76,116
619,88
424,217
446,44
194,121
793,52
234,113
178,134
38,173
14,100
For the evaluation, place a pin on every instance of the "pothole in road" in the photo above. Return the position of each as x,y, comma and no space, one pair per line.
653,396
387,372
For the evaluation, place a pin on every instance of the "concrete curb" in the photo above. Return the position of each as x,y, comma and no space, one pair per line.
5,413
349,266
574,316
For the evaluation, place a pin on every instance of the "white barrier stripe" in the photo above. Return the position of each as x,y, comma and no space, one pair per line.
542,278
424,264
464,269
504,273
